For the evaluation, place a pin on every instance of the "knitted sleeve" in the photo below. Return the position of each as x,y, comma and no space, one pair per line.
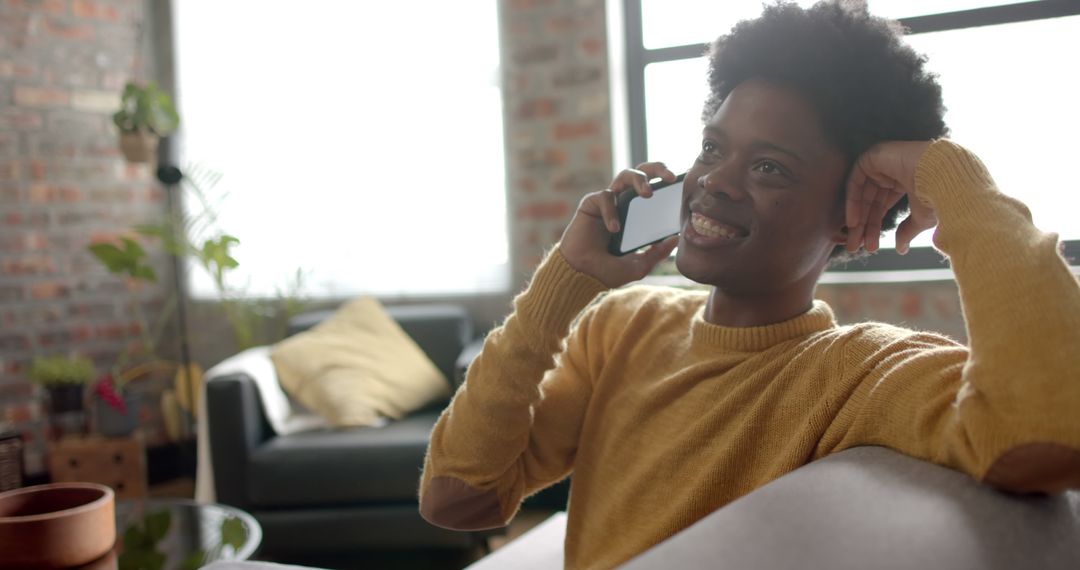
512,428
1006,408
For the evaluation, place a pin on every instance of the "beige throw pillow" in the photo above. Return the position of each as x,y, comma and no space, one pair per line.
357,367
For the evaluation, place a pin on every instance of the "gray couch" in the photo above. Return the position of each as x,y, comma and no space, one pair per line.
871,507
341,491
864,508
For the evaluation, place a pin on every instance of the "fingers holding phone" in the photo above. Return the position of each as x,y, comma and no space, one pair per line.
586,241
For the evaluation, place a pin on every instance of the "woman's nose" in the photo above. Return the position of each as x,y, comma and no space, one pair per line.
721,180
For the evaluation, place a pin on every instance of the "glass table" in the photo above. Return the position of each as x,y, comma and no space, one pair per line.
178,534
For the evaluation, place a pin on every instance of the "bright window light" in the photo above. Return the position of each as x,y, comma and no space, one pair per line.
1009,100
357,142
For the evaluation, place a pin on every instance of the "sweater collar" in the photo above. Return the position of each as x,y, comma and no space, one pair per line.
749,339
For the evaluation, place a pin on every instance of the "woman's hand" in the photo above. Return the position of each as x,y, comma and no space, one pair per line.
584,243
881,176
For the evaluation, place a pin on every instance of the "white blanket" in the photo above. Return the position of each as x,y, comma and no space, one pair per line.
284,415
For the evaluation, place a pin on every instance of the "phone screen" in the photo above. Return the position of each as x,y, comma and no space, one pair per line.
644,221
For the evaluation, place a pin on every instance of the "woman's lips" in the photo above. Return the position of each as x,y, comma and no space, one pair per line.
705,231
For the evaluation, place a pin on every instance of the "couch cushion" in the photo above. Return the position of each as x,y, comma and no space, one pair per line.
440,330
358,367
356,465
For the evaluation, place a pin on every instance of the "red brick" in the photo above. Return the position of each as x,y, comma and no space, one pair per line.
33,265
562,24
13,342
9,144
91,311
582,182
544,211
527,185
600,155
7,68
567,131
49,290
592,47
47,193
530,4
41,96
54,7
20,119
81,32
114,80
94,11
541,108
33,219
25,70
542,53
19,390
23,242
18,413
37,170
112,331
9,170
576,76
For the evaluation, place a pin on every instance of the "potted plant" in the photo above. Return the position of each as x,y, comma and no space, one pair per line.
146,114
65,380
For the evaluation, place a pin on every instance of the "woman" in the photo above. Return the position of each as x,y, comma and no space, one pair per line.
822,127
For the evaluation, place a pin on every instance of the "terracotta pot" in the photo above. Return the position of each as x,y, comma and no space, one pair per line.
139,146
58,525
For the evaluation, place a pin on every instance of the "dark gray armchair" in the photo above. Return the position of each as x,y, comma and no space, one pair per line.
335,491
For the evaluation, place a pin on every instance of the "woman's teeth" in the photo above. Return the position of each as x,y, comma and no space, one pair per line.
710,228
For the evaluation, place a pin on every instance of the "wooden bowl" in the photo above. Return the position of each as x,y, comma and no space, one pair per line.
55,526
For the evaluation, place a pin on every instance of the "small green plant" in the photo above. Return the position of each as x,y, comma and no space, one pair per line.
61,370
146,108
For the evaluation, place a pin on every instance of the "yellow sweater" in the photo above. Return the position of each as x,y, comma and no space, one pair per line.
663,418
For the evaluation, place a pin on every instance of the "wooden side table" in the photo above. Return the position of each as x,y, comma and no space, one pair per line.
119,462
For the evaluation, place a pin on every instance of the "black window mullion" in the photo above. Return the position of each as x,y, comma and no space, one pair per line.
635,78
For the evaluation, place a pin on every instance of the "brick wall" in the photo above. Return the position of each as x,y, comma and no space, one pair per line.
64,185
558,125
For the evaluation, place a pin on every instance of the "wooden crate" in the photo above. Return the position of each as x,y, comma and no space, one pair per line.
119,462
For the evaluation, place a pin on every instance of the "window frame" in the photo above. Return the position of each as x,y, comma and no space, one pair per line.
638,57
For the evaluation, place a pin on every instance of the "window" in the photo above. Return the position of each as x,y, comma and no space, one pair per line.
1002,69
357,142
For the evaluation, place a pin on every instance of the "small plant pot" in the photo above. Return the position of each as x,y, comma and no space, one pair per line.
66,398
139,146
111,422
67,410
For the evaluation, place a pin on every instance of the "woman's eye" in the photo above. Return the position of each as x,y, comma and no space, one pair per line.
707,146
769,167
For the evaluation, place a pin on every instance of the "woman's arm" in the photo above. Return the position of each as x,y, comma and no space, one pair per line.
513,427
1006,409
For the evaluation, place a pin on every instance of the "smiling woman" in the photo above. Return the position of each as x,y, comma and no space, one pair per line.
341,129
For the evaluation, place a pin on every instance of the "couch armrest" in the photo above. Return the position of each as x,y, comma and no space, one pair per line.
237,426
871,507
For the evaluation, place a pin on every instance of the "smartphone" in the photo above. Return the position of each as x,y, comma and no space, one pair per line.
645,221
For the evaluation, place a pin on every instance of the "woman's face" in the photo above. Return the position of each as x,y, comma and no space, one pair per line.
761,204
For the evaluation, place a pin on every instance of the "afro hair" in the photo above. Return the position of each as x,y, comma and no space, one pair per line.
866,83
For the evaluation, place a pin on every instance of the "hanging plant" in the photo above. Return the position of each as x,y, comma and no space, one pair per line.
146,114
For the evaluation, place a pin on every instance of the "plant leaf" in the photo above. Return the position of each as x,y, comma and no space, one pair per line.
233,532
193,561
157,524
